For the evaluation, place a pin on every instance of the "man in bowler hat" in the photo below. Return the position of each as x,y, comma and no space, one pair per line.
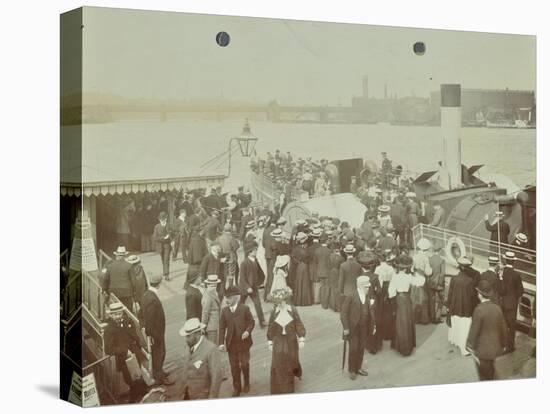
236,325
162,236
487,336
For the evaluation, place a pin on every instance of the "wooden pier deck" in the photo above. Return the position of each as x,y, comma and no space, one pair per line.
433,362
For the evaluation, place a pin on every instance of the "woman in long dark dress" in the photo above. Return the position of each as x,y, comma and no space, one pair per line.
405,329
302,295
385,274
335,259
285,334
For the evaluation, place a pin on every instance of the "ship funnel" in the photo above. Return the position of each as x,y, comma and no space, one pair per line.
451,120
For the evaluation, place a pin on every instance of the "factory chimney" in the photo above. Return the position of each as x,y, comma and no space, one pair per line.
451,118
385,91
366,87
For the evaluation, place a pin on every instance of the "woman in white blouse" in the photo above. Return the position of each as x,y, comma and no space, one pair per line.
404,340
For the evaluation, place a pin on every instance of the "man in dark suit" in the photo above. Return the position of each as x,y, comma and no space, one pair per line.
487,336
236,325
356,316
155,324
494,277
249,280
118,279
213,264
499,229
162,237
193,296
121,340
349,270
512,291
460,302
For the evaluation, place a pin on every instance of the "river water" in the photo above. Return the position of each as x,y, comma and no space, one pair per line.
417,148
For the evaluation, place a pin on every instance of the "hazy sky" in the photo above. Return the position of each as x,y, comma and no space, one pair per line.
175,56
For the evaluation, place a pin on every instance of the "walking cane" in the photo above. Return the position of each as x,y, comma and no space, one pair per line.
345,352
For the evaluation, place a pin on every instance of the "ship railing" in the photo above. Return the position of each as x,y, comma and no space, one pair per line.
475,246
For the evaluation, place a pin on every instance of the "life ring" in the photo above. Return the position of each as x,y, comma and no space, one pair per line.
449,249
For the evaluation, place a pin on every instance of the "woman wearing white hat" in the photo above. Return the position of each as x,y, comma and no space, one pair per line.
280,273
285,336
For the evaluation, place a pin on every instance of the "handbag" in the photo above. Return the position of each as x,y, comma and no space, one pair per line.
133,367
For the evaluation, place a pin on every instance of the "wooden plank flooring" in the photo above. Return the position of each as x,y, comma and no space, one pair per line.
433,362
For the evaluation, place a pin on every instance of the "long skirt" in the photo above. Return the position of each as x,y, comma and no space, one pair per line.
458,332
405,329
302,287
420,303
387,326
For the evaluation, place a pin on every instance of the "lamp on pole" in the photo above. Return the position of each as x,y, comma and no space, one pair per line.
247,143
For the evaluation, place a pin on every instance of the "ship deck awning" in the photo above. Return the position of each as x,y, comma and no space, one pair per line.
140,186
120,159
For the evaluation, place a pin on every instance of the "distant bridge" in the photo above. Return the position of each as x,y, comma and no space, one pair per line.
272,112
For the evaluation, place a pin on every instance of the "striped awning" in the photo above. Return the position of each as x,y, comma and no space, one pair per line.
140,186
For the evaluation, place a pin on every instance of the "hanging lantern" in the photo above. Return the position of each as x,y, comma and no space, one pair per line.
247,140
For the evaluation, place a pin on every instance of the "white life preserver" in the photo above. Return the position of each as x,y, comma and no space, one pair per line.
449,249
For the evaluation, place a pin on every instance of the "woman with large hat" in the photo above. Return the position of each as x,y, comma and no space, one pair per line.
285,336
280,273
300,281
404,340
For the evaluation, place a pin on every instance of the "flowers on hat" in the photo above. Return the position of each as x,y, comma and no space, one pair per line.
279,295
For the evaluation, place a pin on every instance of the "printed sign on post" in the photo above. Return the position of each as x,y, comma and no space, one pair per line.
90,398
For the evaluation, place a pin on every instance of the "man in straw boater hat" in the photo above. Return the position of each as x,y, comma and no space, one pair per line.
487,336
122,341
235,337
512,291
117,279
499,229
357,317
460,303
384,217
162,237
154,322
348,272
202,364
250,278
211,307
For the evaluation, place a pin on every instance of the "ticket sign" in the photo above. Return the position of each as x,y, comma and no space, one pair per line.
90,398
75,393
83,391
83,255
